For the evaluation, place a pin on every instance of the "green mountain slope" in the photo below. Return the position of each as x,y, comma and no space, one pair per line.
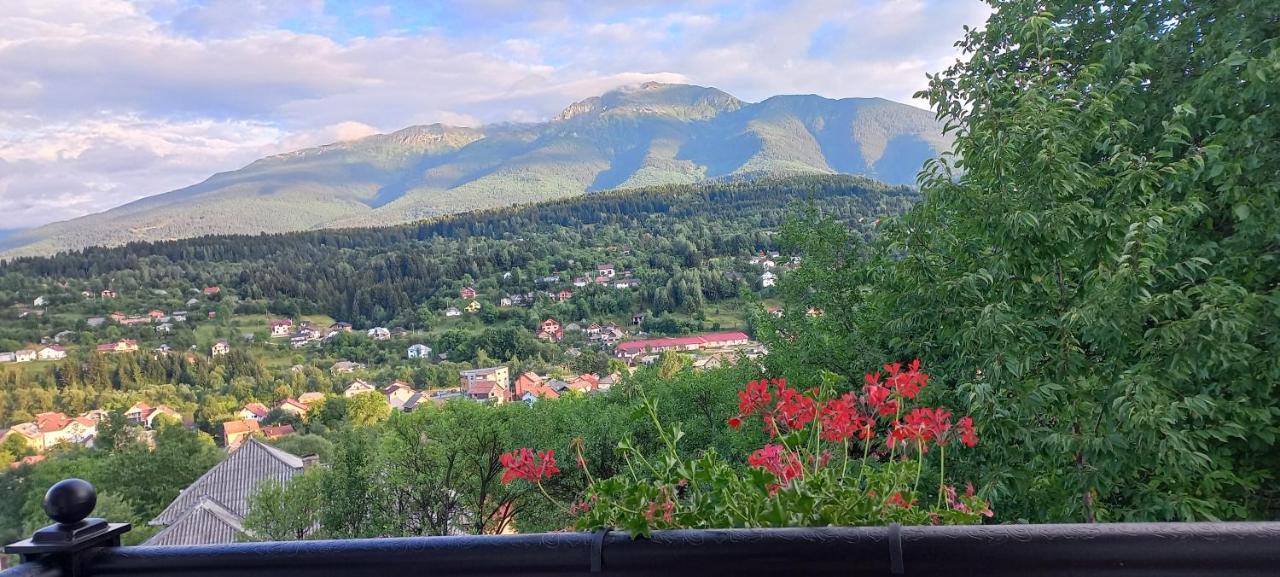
646,135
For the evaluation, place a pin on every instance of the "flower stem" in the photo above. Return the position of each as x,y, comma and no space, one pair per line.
942,471
550,498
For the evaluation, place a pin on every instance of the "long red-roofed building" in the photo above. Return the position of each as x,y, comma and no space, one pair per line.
631,349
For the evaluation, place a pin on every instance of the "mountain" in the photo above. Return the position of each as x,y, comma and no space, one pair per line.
636,136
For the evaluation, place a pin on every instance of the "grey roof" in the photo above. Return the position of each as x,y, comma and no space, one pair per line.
231,482
207,523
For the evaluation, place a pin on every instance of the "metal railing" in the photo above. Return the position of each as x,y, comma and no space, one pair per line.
80,547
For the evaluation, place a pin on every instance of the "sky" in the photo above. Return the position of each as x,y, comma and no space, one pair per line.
103,102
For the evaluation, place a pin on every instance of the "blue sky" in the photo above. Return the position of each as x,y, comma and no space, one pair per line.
106,101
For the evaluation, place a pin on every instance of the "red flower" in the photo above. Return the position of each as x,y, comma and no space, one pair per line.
908,384
840,419
795,409
967,435
897,501
756,396
776,459
930,424
877,397
735,423
525,464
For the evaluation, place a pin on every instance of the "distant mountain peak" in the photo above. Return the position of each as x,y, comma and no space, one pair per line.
645,134
681,101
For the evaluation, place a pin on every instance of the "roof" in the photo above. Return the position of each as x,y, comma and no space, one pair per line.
231,482
258,409
239,426
205,523
482,387
275,431
706,339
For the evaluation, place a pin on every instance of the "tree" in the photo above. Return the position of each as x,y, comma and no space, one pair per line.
286,511
367,409
1091,264
114,432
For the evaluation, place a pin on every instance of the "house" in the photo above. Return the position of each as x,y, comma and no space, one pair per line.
219,348
39,302
626,283
280,328
605,270
564,295
500,375
631,349
419,351
608,381
581,281
768,279
601,280
8,357
704,363
211,510
340,327
178,316
55,428
585,383
527,381
164,328
533,394
134,321
145,415
274,432
775,311
108,294
397,394
25,356
487,391
255,411
472,307
64,336
505,302
155,314
358,387
211,290
637,319
120,346
467,292
193,302
51,353
345,367
235,433
379,333
550,330
452,312
310,399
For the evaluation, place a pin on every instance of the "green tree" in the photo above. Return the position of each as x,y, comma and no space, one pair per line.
286,511
367,409
1094,264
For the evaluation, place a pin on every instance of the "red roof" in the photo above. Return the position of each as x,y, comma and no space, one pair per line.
669,342
482,388
49,422
258,409
241,426
277,431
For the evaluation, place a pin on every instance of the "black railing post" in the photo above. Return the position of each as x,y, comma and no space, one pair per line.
63,544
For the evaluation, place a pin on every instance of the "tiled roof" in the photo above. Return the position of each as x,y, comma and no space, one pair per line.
206,523
232,481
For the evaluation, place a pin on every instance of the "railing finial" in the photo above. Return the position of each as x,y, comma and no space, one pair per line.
69,503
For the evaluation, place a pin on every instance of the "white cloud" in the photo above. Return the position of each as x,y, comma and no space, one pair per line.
125,99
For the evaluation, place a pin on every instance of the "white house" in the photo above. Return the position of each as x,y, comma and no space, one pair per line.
768,279
39,302
220,348
419,351
606,270
51,353
379,333
25,355
452,312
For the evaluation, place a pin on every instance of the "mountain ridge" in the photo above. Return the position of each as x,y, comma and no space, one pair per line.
634,136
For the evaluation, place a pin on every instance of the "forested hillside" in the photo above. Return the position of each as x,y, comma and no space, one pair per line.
404,274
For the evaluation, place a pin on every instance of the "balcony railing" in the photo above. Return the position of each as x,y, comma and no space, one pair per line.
80,547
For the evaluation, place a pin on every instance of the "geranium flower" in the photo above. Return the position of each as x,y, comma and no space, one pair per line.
527,465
